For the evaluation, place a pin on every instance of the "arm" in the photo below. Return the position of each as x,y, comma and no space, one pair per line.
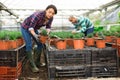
82,24
33,23
83,27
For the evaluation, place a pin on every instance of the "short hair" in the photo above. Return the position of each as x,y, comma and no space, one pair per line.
71,17
52,6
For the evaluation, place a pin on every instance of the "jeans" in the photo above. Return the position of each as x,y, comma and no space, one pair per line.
88,31
28,39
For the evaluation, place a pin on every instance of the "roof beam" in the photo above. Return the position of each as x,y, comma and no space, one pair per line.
58,9
110,4
104,6
3,7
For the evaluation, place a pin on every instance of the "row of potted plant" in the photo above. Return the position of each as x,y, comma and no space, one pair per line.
90,40
112,36
77,41
10,39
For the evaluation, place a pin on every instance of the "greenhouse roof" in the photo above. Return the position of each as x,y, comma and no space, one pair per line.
23,8
61,4
65,7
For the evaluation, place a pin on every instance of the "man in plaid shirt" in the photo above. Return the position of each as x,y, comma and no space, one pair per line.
29,29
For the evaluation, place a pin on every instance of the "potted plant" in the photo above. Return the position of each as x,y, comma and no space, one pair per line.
12,38
44,32
118,38
61,41
90,40
108,37
100,42
43,36
78,40
70,39
15,39
4,44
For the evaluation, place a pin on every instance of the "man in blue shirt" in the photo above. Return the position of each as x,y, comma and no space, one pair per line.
82,24
29,29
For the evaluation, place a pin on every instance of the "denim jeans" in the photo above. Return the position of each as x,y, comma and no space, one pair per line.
28,39
90,30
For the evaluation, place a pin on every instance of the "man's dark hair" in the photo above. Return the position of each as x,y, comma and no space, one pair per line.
52,6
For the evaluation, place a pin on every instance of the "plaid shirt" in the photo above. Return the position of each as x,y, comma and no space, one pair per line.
36,21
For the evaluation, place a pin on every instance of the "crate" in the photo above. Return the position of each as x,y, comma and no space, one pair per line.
104,71
60,72
12,57
68,57
68,63
87,62
104,62
10,73
102,56
118,49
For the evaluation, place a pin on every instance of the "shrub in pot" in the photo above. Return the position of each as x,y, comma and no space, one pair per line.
61,43
4,44
78,40
90,40
13,39
100,42
70,39
43,36
108,37
118,38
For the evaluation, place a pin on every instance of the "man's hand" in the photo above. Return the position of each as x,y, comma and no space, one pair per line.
74,31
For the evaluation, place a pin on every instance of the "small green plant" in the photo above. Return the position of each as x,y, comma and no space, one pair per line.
90,35
13,35
2,35
10,35
44,32
117,35
61,34
78,36
106,33
97,22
